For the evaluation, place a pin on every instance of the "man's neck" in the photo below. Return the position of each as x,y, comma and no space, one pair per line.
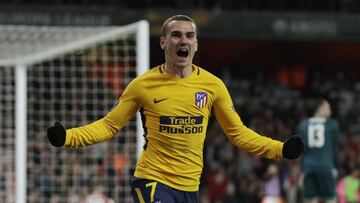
179,71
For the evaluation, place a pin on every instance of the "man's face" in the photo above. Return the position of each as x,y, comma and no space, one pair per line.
180,43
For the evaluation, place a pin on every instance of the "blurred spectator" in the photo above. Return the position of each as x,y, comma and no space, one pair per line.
73,196
55,199
272,185
33,197
291,183
103,63
230,196
97,196
217,182
348,188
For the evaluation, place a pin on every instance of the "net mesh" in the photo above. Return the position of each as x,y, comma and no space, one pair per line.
76,87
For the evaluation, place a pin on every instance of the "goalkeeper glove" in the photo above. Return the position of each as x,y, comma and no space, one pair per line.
56,134
293,147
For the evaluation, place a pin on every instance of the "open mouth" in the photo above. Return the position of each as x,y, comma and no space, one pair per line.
182,53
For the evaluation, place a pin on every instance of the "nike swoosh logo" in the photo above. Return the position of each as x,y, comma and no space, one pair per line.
160,100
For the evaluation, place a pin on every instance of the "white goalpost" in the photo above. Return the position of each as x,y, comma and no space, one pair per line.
73,75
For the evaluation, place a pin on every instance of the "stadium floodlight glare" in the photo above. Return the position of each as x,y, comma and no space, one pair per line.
73,75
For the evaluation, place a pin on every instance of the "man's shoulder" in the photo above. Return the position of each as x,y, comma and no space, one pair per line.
202,72
151,73
156,70
334,123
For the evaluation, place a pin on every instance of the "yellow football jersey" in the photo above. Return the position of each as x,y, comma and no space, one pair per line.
175,113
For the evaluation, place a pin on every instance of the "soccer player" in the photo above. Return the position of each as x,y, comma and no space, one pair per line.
175,100
319,160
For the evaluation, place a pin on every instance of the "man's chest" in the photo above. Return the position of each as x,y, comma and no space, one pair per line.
178,99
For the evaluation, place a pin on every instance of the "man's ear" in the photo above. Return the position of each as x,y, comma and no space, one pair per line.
162,42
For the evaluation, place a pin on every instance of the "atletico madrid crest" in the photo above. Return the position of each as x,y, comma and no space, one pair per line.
201,99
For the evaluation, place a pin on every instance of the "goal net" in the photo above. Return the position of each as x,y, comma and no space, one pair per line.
73,75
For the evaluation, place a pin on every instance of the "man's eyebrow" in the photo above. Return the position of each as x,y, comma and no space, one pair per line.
175,32
179,32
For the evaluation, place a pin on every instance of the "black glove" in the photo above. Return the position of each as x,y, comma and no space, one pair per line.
293,147
56,134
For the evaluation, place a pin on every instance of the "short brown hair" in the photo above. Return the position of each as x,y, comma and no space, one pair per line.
177,18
